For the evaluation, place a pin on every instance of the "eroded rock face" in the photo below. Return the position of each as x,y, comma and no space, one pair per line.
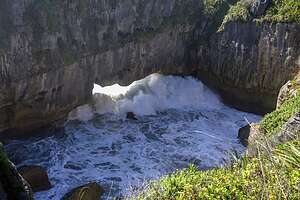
249,62
51,52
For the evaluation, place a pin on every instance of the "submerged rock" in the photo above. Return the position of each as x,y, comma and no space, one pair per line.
91,191
37,177
131,115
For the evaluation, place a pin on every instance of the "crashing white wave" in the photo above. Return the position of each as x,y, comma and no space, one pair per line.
148,96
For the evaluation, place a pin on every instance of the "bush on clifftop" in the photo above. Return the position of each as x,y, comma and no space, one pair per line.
284,11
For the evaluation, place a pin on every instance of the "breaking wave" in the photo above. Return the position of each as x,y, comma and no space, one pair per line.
148,96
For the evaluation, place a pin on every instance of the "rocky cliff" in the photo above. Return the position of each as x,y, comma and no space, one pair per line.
250,61
52,51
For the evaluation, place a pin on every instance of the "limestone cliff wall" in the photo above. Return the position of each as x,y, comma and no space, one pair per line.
52,51
249,62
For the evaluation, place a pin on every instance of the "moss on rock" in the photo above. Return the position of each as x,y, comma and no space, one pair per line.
284,11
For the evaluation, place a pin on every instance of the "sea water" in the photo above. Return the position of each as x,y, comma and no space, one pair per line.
180,122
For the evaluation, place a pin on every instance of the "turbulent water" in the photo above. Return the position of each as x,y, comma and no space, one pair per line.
180,121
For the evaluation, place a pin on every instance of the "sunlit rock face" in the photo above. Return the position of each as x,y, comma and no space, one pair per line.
249,62
51,52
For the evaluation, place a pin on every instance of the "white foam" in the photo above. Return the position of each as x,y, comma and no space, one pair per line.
150,95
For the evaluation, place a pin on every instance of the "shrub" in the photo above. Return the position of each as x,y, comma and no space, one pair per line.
284,11
238,12
274,121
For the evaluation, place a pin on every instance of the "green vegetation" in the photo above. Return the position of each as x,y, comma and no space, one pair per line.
215,10
279,11
211,7
238,12
284,11
273,121
69,57
273,176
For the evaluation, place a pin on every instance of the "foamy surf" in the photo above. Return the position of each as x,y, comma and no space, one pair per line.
148,96
180,121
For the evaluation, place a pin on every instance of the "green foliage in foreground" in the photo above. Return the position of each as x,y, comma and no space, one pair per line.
284,11
274,121
273,176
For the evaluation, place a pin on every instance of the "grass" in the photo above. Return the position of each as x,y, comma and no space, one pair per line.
238,12
274,121
284,11
271,176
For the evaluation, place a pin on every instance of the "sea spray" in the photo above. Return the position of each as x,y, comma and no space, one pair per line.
148,96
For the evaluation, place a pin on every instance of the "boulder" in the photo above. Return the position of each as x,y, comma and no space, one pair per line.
243,135
13,186
91,191
37,177
131,115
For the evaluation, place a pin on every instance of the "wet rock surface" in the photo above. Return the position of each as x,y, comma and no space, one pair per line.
37,177
131,115
91,191
12,184
244,134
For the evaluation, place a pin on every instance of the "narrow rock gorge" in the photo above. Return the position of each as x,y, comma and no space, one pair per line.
98,97
52,52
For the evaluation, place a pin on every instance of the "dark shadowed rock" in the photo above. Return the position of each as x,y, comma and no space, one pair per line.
259,7
37,177
13,184
2,193
244,133
91,191
131,115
